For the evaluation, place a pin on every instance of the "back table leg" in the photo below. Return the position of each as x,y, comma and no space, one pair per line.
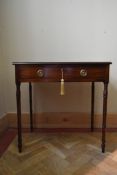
92,105
30,103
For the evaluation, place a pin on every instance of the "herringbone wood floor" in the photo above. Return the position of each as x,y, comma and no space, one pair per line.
61,154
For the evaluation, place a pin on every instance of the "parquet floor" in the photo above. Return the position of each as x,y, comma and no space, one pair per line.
61,154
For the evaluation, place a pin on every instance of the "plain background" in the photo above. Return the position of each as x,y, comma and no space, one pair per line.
57,30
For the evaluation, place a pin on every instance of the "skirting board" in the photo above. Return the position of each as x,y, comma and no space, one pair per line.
3,124
61,120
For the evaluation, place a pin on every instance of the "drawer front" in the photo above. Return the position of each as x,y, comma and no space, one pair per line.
38,73
53,73
86,73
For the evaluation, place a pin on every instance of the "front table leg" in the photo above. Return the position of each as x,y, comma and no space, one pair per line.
105,94
18,98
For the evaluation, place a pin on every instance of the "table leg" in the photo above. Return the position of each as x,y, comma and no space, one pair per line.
18,98
92,105
30,103
105,94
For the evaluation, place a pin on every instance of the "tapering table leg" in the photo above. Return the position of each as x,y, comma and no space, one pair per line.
92,105
30,103
105,94
18,98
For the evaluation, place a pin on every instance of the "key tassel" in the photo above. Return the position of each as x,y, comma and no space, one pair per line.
62,87
62,92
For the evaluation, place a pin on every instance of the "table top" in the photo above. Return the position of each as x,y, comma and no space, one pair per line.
64,63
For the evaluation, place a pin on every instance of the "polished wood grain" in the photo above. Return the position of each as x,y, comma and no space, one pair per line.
30,104
72,72
19,127
52,72
104,115
63,63
92,105
61,154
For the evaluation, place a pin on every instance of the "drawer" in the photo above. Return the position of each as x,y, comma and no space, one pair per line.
53,73
38,73
86,73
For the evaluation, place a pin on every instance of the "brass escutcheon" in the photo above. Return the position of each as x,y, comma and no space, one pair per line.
40,73
83,72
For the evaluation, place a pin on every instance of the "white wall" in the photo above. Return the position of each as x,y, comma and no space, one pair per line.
59,30
2,87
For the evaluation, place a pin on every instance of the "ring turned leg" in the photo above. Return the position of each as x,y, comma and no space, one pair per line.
105,94
30,103
18,98
92,105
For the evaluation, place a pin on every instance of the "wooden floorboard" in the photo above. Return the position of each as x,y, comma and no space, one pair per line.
6,139
61,154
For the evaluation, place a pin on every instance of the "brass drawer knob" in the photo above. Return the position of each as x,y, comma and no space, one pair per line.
83,72
40,73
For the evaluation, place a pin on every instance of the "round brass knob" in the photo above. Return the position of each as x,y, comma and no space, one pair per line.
40,73
83,72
